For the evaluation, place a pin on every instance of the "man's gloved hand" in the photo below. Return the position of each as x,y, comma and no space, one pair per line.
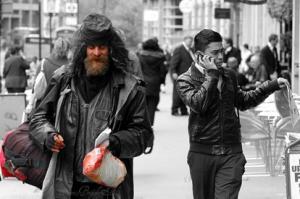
114,145
54,142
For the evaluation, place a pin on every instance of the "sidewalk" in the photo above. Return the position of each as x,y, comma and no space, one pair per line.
165,174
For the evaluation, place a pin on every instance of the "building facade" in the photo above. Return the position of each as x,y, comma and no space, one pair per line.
165,20
28,13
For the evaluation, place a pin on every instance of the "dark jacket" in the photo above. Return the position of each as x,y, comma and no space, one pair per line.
130,125
234,52
14,72
181,60
213,119
270,61
153,68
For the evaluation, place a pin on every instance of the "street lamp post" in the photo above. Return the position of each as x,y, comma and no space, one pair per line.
50,29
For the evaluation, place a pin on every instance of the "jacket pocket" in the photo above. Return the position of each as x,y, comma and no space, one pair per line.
102,115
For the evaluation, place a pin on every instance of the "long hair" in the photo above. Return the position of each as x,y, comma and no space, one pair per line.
118,53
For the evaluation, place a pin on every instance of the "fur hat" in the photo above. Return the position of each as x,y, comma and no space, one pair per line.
95,29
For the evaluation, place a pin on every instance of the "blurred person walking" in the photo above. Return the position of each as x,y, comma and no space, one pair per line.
245,53
44,72
231,51
58,57
181,60
102,96
152,61
134,66
14,72
269,57
215,157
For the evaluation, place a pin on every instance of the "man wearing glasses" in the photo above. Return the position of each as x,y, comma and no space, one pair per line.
215,157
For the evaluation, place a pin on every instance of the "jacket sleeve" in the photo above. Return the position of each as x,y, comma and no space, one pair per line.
24,64
198,99
250,99
43,118
136,133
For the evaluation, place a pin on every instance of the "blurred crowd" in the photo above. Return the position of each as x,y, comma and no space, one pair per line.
151,62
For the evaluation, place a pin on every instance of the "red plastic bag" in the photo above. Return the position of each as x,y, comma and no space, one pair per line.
103,168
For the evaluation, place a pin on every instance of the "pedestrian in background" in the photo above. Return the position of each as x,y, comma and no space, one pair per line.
58,57
215,157
232,63
152,61
14,72
231,51
260,73
245,53
134,66
181,60
102,96
269,57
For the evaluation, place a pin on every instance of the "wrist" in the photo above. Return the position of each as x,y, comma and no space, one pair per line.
114,145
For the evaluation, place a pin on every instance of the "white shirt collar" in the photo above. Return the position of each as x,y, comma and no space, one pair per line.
185,46
270,46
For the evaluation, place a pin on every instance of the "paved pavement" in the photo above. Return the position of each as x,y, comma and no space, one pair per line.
164,174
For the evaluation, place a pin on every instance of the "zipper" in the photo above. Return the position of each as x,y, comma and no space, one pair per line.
221,117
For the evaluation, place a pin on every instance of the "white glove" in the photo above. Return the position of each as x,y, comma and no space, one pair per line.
103,138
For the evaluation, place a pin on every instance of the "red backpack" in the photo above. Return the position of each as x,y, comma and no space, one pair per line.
24,159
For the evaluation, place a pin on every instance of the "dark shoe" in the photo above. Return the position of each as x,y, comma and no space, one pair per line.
185,113
175,113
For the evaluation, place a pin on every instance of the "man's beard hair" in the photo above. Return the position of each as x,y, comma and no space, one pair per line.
96,66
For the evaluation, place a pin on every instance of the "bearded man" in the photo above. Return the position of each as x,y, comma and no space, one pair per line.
102,95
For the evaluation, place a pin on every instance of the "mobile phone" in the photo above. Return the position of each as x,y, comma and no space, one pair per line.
201,55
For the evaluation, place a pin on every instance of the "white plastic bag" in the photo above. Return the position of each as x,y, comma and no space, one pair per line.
103,168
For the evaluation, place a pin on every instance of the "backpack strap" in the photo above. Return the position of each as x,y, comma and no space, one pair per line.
62,96
23,161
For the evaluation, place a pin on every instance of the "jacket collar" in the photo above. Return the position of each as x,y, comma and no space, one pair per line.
195,73
118,78
198,76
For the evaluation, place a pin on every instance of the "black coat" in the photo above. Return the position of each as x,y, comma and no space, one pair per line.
181,60
130,125
152,63
213,119
14,72
268,59
234,52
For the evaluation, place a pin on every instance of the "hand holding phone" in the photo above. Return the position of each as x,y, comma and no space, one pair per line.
205,60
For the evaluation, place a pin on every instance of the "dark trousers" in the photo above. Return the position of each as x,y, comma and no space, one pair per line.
15,90
152,102
177,103
216,176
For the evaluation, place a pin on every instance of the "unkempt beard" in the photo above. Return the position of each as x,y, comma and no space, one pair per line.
96,66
